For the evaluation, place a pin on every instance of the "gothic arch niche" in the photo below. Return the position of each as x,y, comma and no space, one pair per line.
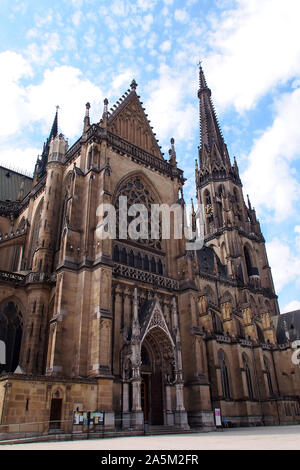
210,294
248,372
66,189
11,329
225,377
268,376
34,233
157,372
208,210
219,204
250,261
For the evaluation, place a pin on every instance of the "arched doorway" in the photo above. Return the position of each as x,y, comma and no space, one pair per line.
11,328
55,411
157,372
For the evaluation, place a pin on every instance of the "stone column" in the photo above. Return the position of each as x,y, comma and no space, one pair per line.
137,415
180,413
125,408
169,413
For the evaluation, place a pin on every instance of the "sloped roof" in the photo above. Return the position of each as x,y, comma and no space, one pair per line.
10,182
128,120
288,323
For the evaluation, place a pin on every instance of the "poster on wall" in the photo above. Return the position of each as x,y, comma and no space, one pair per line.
218,418
77,417
97,417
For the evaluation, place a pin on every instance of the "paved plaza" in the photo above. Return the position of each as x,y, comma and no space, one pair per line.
262,438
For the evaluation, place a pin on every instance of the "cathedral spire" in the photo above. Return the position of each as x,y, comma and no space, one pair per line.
54,129
45,153
210,129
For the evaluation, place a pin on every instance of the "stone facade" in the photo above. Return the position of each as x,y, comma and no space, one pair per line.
145,331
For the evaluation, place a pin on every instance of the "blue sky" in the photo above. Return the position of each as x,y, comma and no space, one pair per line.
69,52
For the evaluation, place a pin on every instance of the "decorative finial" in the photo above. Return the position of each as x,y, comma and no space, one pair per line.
105,104
87,109
172,153
133,84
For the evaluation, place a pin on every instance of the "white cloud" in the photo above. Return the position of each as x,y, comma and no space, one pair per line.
76,17
128,41
166,46
12,97
147,21
25,105
145,5
122,81
24,158
255,47
169,110
269,178
118,8
291,306
42,53
181,15
66,87
297,241
284,262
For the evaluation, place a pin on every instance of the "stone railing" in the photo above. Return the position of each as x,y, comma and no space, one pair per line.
30,278
140,155
132,273
12,277
245,342
223,338
266,346
12,235
9,207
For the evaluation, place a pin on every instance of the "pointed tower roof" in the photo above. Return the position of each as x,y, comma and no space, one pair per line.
214,161
209,126
46,147
128,120
54,129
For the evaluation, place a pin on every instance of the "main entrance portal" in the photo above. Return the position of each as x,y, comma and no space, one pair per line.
157,365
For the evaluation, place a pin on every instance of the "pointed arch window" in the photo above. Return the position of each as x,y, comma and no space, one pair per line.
116,253
138,261
153,265
217,323
136,192
269,377
146,263
248,378
131,258
124,256
11,329
224,375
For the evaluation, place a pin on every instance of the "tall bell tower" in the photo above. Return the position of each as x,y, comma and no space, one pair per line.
231,225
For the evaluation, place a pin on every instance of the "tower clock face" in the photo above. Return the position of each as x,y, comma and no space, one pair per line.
208,210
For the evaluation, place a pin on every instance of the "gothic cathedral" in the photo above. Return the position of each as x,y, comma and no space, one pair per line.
141,329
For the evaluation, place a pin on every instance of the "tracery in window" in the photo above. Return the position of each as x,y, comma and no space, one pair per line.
137,193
